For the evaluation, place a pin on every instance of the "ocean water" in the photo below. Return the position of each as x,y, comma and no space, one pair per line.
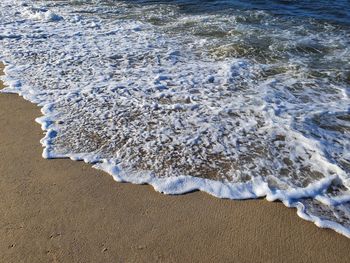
240,99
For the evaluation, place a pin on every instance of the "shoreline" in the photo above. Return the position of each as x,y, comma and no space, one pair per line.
64,211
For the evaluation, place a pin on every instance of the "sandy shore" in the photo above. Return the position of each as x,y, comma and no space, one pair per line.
65,211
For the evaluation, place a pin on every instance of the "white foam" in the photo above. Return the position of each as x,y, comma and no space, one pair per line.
157,105
41,14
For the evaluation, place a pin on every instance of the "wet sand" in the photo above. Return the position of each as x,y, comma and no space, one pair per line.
66,211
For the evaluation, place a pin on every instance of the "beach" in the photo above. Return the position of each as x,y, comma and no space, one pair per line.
65,211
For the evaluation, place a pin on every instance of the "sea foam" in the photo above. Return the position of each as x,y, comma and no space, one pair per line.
183,102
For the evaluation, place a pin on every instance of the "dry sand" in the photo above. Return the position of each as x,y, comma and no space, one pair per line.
65,211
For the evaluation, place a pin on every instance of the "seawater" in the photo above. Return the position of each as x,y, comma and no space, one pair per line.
240,99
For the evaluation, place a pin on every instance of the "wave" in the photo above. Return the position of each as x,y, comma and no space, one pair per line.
239,105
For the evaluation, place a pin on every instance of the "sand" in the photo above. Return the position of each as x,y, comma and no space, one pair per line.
66,211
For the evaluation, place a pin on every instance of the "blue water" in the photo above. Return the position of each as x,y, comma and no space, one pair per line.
333,11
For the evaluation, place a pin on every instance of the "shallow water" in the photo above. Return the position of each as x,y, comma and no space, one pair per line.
240,99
